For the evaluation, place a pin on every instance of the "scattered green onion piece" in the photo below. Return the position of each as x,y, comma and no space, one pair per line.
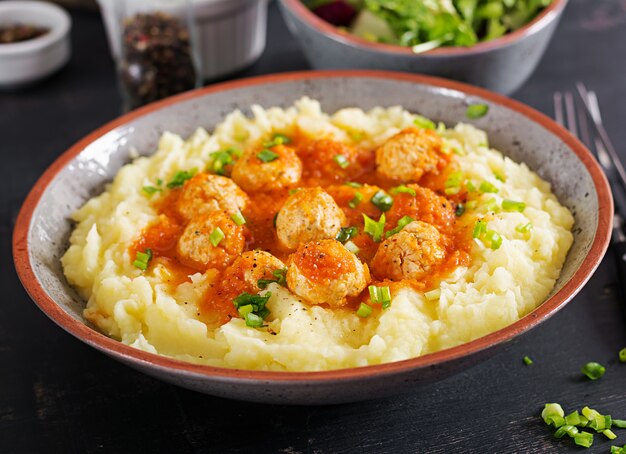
142,259
294,191
584,439
347,233
159,182
403,189
373,228
382,200
280,277
511,205
566,430
608,421
475,111
380,295
433,295
278,139
622,355
402,223
452,191
608,433
341,161
593,371
480,228
573,418
352,247
253,320
245,310
353,184
619,423
499,177
216,236
524,228
267,155
453,183
441,127
551,412
486,186
356,200
470,186
471,205
494,239
274,219
618,450
460,209
528,361
490,205
238,218
423,122
220,159
364,310
180,178
150,190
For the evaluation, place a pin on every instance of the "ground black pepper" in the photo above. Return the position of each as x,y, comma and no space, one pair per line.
14,33
157,58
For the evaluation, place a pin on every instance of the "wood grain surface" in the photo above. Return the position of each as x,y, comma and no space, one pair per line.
60,396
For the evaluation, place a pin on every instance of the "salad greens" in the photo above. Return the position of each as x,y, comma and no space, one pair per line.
428,24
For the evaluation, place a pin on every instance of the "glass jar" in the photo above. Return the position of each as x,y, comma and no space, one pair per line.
158,56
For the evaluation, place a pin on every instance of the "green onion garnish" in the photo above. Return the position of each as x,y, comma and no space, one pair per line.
619,423
382,200
511,205
499,177
566,429
486,186
528,361
238,218
423,122
256,312
573,418
180,178
593,371
150,190
454,180
608,433
490,205
142,259
274,220
352,247
280,277
380,295
475,111
433,295
245,310
353,184
402,189
341,161
480,228
294,191
460,209
266,155
584,439
220,159
347,233
373,228
553,414
494,239
278,139
470,186
524,228
356,200
253,320
216,236
402,223
622,355
364,310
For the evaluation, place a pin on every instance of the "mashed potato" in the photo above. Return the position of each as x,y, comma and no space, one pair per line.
145,310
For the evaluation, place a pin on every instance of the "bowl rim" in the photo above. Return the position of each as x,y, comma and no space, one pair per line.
130,354
57,32
549,13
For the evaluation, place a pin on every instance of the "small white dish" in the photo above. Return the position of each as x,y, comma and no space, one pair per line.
28,61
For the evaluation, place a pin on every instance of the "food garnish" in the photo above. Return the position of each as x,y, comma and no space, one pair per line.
593,370
142,259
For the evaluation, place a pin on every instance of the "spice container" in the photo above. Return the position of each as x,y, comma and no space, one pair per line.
157,50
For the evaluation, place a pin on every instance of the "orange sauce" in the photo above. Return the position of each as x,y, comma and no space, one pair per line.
319,169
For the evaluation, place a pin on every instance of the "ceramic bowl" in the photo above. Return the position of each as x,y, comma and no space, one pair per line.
26,62
502,65
43,226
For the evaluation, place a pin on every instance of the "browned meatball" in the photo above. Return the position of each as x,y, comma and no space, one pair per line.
308,215
410,253
253,266
254,174
409,154
325,272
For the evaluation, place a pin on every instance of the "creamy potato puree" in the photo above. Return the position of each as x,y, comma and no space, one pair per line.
165,308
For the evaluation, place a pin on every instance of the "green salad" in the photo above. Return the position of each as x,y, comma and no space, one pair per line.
428,24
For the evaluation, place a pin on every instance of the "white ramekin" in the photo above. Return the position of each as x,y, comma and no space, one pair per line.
28,61
231,33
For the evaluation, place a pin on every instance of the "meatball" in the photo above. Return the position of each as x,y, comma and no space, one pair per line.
409,154
425,206
410,253
251,267
272,172
196,248
326,272
205,193
329,161
308,215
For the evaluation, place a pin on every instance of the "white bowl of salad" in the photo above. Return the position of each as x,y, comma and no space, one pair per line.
496,44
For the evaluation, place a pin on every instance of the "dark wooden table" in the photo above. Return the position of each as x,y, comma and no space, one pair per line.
58,395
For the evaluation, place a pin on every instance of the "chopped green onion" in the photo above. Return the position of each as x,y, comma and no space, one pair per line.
403,189
274,219
475,111
294,191
494,239
364,310
159,182
622,355
471,205
245,310
220,159
382,200
593,371
216,236
258,302
180,178
380,295
553,414
584,439
347,233
480,228
280,277
524,228
619,423
142,259
618,450
454,180
402,223
356,200
267,155
470,186
352,247
353,184
566,429
238,218
341,161
490,205
486,186
511,205
499,177
253,320
433,295
373,228
278,139
150,190
423,122
608,433
528,361
460,209
573,418
452,191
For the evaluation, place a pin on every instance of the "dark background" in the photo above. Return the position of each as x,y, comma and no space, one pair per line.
58,395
